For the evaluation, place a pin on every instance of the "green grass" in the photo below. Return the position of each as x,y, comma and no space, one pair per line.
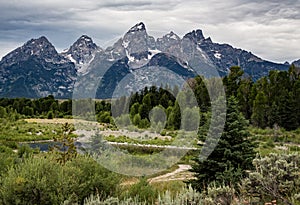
277,135
170,169
125,139
21,130
171,186
276,140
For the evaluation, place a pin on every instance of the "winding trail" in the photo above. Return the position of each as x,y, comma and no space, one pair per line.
180,174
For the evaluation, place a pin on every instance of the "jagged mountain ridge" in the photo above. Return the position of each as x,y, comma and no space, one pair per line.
297,63
36,69
82,52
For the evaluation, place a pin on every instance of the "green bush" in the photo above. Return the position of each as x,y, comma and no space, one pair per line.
5,149
104,117
276,177
10,144
7,159
123,121
144,123
143,191
40,180
50,115
25,151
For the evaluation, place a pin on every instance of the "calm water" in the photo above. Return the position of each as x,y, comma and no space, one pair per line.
42,146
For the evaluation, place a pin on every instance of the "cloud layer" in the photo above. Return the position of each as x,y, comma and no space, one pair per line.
269,29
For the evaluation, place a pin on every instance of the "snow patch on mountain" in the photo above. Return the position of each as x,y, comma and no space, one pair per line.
218,55
153,53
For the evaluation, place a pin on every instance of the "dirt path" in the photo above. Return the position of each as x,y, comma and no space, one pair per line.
57,121
180,174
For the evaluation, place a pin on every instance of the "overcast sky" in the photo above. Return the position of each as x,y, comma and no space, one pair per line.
269,29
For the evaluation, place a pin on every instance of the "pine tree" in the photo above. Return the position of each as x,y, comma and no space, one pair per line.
202,94
3,112
233,80
243,97
66,148
232,156
260,106
174,119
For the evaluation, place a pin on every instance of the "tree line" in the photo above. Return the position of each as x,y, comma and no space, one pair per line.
271,101
47,107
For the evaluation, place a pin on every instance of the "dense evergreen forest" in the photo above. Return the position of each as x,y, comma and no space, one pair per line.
270,101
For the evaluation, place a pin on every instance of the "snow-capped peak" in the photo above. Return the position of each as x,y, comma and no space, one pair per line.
82,52
40,48
172,35
138,27
83,43
81,49
85,38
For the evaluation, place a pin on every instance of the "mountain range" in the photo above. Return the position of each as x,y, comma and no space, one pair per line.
136,60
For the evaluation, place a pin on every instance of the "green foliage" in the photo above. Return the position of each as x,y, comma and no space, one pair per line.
104,117
174,120
28,111
3,112
41,180
25,151
201,93
275,177
7,159
271,103
276,98
136,119
50,115
158,115
244,97
65,149
233,80
134,109
190,119
30,183
144,123
270,100
147,105
96,200
123,121
41,107
125,139
231,157
20,131
144,110
143,191
223,195
185,196
269,139
259,116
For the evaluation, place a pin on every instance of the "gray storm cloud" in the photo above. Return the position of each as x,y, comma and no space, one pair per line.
270,29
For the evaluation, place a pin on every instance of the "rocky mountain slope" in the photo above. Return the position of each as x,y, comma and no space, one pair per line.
297,63
35,70
136,60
